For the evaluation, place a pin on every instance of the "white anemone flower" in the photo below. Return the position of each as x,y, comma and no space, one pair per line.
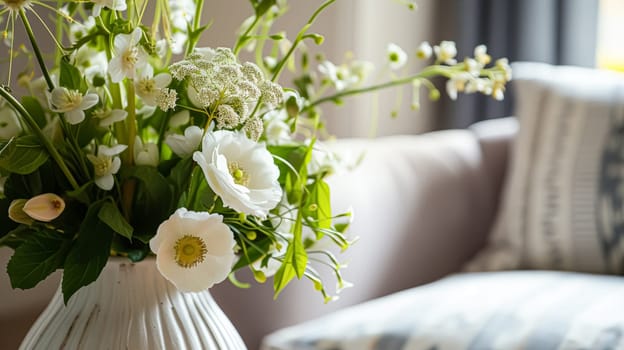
446,52
194,250
106,164
72,103
240,171
145,153
185,145
9,123
148,86
396,56
115,5
129,56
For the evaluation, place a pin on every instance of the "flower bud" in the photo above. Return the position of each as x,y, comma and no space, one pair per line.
44,207
17,214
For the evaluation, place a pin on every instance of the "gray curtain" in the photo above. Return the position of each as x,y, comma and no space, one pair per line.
551,31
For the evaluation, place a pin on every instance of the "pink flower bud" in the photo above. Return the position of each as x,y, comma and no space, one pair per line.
44,207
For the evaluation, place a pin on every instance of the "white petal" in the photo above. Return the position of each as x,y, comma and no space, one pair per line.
105,182
121,43
74,117
111,151
115,69
162,80
88,101
96,10
115,165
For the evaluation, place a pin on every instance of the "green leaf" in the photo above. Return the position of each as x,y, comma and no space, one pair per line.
318,205
32,105
89,253
41,254
81,194
295,260
179,175
111,216
70,76
22,155
6,224
153,200
261,6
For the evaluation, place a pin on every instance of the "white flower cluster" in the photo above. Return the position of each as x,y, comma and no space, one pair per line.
229,90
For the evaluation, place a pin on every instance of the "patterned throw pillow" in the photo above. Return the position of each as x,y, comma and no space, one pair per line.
563,205
493,310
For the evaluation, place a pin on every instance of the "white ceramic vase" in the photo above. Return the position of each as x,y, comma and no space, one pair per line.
131,306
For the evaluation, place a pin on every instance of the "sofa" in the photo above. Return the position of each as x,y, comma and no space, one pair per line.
436,265
548,276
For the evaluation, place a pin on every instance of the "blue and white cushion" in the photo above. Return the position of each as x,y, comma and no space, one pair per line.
478,311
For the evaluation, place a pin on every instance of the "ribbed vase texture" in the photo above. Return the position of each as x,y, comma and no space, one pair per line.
131,306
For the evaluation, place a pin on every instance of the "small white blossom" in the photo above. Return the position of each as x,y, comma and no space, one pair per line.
424,50
339,76
148,86
106,164
129,56
276,130
145,154
446,52
240,171
115,5
472,66
481,55
194,250
9,123
72,103
457,83
396,56
109,117
185,145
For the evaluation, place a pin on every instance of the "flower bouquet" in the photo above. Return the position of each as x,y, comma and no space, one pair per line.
135,141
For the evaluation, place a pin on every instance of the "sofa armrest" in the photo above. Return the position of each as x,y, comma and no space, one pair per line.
422,207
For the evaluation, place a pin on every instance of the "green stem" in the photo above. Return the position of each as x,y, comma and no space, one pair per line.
130,122
244,37
35,47
44,140
425,73
192,39
300,37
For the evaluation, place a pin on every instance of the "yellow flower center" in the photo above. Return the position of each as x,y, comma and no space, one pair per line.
101,165
147,86
15,5
71,100
189,251
130,57
240,176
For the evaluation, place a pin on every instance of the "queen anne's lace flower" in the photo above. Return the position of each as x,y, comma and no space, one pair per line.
194,250
72,103
166,99
106,164
240,171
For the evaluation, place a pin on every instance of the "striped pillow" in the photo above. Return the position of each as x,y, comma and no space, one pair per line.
563,206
